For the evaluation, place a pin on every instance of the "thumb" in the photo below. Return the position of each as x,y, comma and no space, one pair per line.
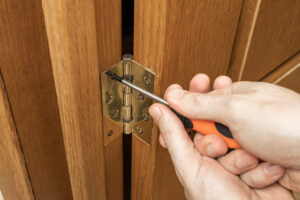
179,144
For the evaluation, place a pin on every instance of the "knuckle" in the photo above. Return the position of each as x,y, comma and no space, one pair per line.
166,135
236,106
199,99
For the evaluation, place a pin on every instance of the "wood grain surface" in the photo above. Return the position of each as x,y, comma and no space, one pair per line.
176,40
109,36
14,180
287,75
72,34
26,68
268,34
297,196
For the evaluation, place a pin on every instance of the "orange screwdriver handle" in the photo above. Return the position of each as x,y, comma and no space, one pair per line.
206,127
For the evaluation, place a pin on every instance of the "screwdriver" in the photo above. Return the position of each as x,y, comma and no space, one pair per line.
205,127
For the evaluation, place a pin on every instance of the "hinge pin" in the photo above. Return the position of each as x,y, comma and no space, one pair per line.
127,95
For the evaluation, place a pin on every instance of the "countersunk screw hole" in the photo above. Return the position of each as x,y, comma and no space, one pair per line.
147,80
110,133
108,97
146,117
115,114
139,130
140,96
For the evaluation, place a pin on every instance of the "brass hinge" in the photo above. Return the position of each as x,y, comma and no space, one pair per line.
125,110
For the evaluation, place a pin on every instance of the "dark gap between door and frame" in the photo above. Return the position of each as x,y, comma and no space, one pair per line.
127,47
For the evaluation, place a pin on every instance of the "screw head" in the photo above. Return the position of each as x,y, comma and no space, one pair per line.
108,97
127,57
110,133
146,116
115,114
139,130
147,80
140,96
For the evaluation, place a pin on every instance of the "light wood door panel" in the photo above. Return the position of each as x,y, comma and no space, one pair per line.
26,68
109,33
71,30
176,40
51,55
268,34
14,180
287,75
75,35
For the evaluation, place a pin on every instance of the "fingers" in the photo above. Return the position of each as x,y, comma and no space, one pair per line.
274,192
291,180
222,81
176,139
253,174
238,161
263,175
211,145
161,141
200,83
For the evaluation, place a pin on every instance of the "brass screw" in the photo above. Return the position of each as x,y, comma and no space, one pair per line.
139,130
115,114
147,80
108,97
140,96
146,117
110,133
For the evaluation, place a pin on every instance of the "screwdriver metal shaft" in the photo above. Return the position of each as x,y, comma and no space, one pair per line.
137,88
145,92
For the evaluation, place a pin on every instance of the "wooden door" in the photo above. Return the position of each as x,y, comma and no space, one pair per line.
248,40
50,57
176,40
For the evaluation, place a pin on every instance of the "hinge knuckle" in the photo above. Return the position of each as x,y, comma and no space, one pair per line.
127,96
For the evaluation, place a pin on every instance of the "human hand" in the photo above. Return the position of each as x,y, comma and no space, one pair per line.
252,174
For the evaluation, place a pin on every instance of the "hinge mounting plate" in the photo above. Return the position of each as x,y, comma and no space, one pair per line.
114,99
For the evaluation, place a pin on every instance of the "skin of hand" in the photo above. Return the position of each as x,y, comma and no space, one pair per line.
246,108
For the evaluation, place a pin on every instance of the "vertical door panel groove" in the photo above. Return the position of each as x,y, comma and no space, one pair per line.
14,180
26,68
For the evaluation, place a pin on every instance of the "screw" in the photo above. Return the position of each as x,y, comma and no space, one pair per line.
110,133
108,97
146,117
140,96
115,114
147,80
139,130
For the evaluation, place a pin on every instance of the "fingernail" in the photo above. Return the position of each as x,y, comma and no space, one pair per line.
175,86
155,113
244,162
272,170
175,94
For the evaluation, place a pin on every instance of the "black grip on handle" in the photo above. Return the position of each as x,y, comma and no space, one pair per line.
224,130
187,123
